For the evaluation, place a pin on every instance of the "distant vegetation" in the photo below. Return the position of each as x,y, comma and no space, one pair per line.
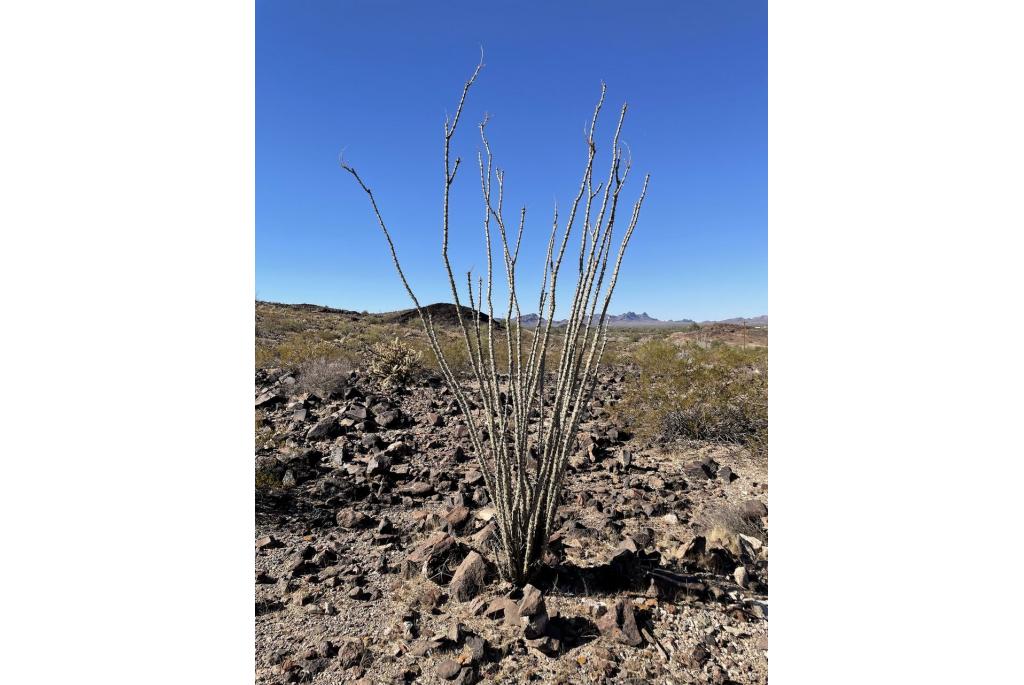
707,382
712,391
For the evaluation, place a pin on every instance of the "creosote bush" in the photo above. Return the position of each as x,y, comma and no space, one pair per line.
714,392
511,417
392,364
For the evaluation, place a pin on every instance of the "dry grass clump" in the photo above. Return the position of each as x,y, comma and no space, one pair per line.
392,364
711,392
724,524
322,376
321,363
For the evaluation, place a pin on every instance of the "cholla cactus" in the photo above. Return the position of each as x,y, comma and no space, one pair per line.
515,418
392,364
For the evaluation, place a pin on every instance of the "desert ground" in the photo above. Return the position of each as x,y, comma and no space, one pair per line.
374,538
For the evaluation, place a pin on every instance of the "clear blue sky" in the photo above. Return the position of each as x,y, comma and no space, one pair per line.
377,77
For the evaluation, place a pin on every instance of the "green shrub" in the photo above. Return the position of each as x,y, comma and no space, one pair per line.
711,392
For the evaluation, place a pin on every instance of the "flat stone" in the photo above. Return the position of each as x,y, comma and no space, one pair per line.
267,542
423,647
268,398
418,489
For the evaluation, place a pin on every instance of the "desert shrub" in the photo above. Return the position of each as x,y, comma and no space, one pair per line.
300,349
262,428
270,321
454,351
322,376
616,354
711,392
266,355
724,523
392,364
268,479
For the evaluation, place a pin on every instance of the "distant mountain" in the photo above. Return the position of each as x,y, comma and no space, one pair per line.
634,320
741,321
532,320
443,313
630,317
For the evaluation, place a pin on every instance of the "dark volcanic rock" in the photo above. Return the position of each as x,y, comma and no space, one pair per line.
325,429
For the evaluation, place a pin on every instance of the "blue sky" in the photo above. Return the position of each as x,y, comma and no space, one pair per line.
377,77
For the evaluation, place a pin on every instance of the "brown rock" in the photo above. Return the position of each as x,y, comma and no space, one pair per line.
532,602
619,624
753,510
448,669
477,606
480,537
457,516
428,555
503,606
469,578
694,550
697,657
349,518
267,542
418,489
350,652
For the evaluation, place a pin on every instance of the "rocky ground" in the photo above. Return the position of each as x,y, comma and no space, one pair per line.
374,542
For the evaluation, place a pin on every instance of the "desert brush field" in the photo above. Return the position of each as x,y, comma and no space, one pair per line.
376,553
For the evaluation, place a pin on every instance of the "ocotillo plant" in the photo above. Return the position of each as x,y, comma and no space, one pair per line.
521,437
